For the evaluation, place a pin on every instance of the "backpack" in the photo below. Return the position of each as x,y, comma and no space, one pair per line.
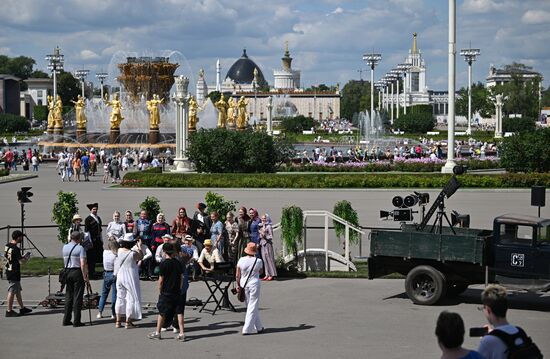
527,350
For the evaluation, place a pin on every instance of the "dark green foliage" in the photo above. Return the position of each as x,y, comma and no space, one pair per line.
38,74
355,98
4,172
40,113
292,223
152,206
222,151
21,66
10,123
518,124
344,210
62,213
216,202
416,122
480,101
527,152
329,180
68,87
214,96
296,124
426,109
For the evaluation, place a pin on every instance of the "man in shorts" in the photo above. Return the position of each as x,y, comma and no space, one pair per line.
14,259
170,285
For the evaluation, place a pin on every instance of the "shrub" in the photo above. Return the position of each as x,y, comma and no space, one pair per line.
526,151
518,124
296,124
216,202
344,210
4,172
292,223
152,206
62,213
222,151
12,123
415,122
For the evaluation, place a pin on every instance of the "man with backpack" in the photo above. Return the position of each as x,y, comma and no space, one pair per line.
503,340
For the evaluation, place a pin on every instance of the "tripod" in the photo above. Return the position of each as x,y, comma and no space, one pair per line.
439,219
32,245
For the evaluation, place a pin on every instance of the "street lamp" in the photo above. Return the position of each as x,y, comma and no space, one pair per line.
404,68
470,56
450,164
380,87
397,73
387,94
181,97
101,76
372,60
81,75
55,64
391,78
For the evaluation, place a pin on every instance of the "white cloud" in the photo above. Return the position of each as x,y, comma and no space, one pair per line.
534,17
481,6
88,55
4,50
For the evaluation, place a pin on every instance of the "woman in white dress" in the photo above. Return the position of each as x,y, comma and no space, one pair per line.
116,229
128,302
248,277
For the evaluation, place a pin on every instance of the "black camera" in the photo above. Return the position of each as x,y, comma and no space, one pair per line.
479,332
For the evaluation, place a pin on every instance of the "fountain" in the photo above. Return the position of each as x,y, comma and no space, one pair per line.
371,130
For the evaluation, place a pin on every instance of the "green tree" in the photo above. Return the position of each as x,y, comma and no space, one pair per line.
344,210
217,202
518,124
21,66
526,151
10,123
545,100
37,74
68,88
62,213
214,96
355,98
418,120
481,101
296,124
151,204
40,113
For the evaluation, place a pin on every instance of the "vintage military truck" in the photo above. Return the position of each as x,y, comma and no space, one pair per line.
444,260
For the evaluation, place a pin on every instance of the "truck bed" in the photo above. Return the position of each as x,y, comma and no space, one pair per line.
466,246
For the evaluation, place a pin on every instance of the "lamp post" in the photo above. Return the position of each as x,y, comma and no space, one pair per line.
55,64
101,76
269,118
499,103
372,60
391,78
397,74
81,75
181,97
387,96
404,68
450,164
470,56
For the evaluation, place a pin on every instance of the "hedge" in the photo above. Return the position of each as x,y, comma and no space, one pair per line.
322,180
400,165
527,151
12,123
4,172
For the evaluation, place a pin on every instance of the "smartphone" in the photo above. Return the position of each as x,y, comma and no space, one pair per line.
27,255
479,332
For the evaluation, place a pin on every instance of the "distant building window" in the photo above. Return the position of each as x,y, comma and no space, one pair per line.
415,80
39,93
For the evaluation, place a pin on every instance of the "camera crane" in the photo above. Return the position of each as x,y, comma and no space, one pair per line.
439,204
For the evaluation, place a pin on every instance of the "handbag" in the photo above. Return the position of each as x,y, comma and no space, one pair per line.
240,290
64,272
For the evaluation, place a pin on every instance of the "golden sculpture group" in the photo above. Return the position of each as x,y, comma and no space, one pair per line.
232,113
55,114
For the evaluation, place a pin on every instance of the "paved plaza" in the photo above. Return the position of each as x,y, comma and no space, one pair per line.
305,318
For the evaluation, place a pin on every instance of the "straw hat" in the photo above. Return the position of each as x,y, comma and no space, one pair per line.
76,216
251,249
207,242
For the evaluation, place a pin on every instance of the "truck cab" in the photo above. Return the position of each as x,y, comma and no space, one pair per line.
520,252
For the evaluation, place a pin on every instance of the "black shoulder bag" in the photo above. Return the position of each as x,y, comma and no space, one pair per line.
64,272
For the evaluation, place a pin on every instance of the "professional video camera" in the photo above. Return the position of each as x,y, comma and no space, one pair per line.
404,212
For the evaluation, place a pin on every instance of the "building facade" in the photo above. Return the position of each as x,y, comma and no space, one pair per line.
503,76
9,94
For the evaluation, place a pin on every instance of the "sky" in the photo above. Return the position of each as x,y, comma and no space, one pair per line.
326,38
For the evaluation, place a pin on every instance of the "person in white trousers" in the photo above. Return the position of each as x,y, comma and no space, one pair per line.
248,277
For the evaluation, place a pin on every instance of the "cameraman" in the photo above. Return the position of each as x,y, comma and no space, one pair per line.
12,253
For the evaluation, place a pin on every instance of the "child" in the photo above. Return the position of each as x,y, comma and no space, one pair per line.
13,273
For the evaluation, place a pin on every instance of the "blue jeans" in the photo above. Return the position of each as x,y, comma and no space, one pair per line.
109,280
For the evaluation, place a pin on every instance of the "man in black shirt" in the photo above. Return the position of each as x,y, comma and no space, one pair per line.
170,284
92,224
13,273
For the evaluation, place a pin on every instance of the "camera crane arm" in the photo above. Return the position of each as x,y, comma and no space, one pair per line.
449,189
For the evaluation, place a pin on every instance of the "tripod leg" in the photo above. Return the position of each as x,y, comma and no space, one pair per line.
34,246
449,223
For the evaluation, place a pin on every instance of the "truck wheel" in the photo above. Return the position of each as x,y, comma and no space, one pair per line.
456,288
425,285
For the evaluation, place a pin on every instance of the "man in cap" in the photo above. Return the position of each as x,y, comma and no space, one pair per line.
209,256
74,259
14,258
92,225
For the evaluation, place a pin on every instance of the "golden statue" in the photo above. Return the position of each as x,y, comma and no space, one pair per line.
80,106
51,109
232,111
154,113
242,118
193,106
116,114
222,106
58,113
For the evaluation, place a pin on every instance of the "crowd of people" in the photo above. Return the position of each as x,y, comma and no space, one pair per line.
27,159
173,253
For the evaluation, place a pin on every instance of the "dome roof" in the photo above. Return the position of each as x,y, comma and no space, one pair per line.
242,71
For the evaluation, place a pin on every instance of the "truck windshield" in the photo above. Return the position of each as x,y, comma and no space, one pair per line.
543,235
